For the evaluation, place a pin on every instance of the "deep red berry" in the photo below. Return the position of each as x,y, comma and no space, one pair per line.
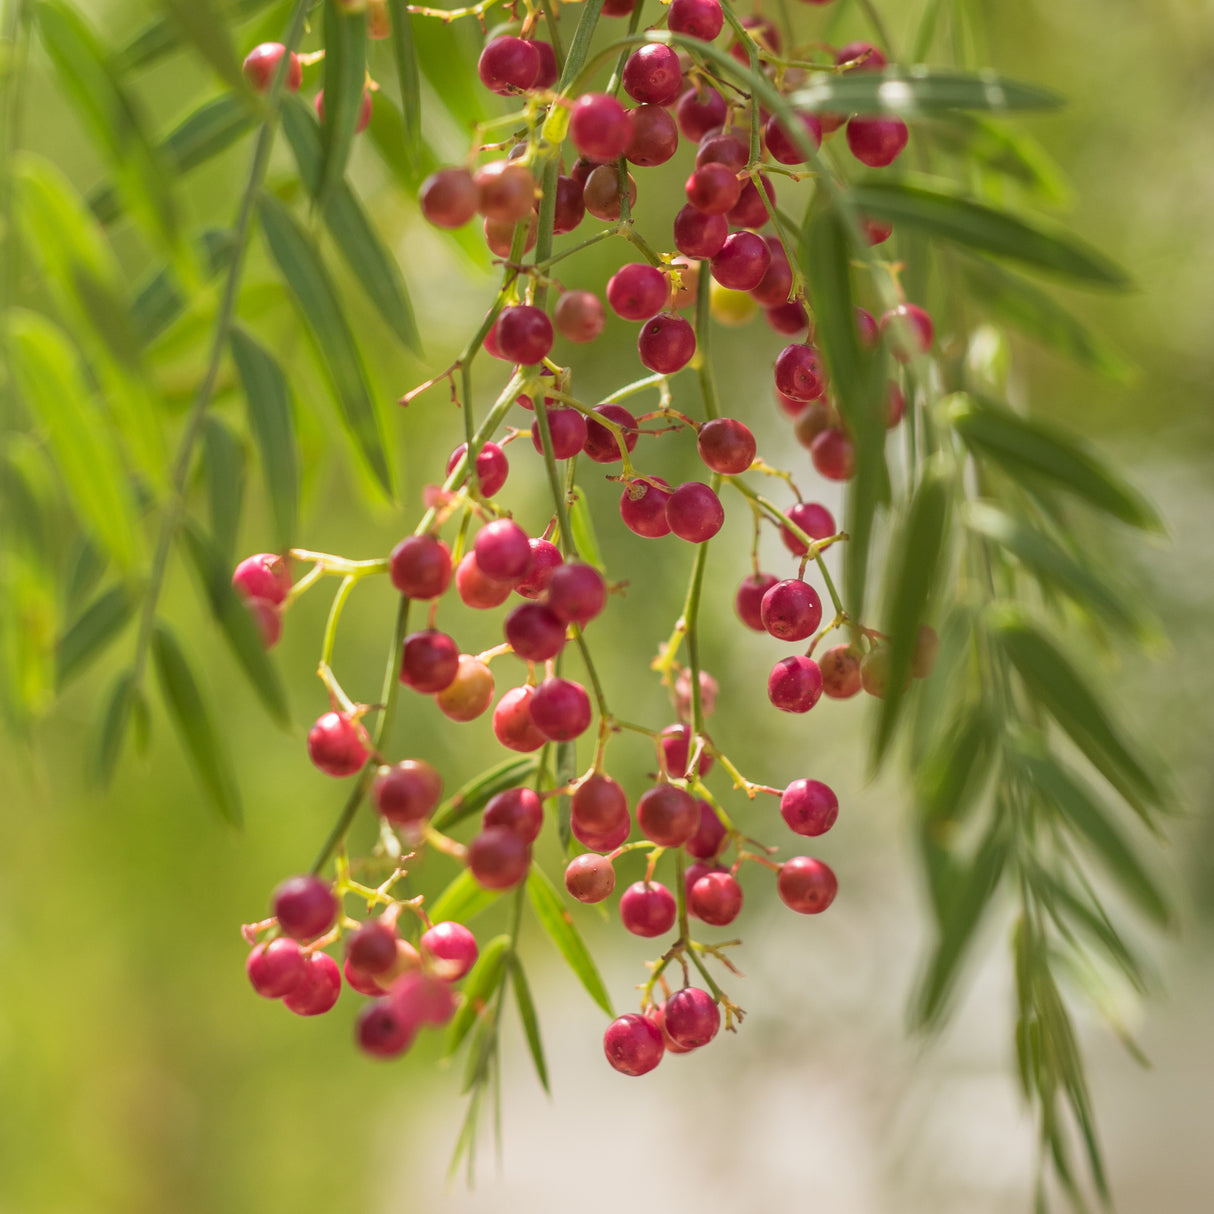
305,907
637,291
498,858
599,804
776,283
578,316
748,601
742,262
709,836
420,567
504,191
647,909
601,443
448,198
780,144
570,207
910,329
633,1044
535,632
450,949
750,211
263,576
876,141
806,885
788,319
470,693
795,684
875,231
833,454
429,661
643,507
477,590
335,745
655,1013
364,110
383,1030
364,984
791,610
517,809
809,807
268,618
667,815
675,743
691,1017
721,148
655,137
503,550
861,57
261,65
371,948
545,557
840,666
601,193
700,111
696,18
499,236
698,234
508,64
512,723
605,840
694,512
599,127
814,519
799,373
713,188
561,710
763,32
867,328
406,792
652,74
492,468
423,998
550,70
524,334
275,969
666,343
716,898
576,593
590,878
319,988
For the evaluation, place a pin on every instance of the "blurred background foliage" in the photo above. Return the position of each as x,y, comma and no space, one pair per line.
138,1072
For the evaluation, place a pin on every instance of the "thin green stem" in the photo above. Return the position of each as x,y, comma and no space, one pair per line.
691,610
879,28
595,686
339,601
708,386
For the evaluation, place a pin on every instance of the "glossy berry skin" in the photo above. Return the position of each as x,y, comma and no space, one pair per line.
602,841
317,992
876,141
694,512
492,467
517,809
578,316
561,710
709,836
364,110
675,743
791,610
700,111
512,723
720,148
840,666
667,815
713,189
524,334
504,191
748,600
601,443
420,567
806,886
780,144
814,519
470,693
701,19
334,745
450,950
535,632
698,234
508,64
499,234
742,262
498,858
863,56
448,198
833,454
788,319
590,878
691,1017
652,75
545,557
477,590
305,907
666,343
364,984
383,1030
576,593
799,373
795,684
570,207
633,1044
867,328
371,949
716,898
750,211
809,807
407,792
261,64
275,969
601,193
599,804
647,909
268,618
655,137
549,71
637,291
503,550
911,327
263,576
429,661
776,283
599,127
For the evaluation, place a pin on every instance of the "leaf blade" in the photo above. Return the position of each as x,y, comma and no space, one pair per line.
479,987
920,90
86,638
530,1021
556,921
345,86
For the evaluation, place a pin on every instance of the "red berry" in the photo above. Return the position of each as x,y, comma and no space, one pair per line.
561,710
795,684
833,454
450,949
420,567
576,593
498,858
319,988
809,807
713,188
748,601
601,193
423,998
263,576
699,111
867,328
261,64
305,907
512,723
508,64
384,1030
504,191
599,804
656,1014
742,262
475,589
545,557
503,550
524,334
791,610
694,512
570,207
763,32
861,56
698,234
492,468
780,144
666,343
652,74
840,668
806,885
667,815
578,316
268,618
720,148
599,127
275,969
364,112
590,878
692,1017
516,809
448,198
633,1044
799,373
647,909
602,841
637,291
815,520
429,661
470,693
601,443
335,745
876,141
655,137
788,319
364,984
406,792
643,508
776,283
696,18
706,843
675,743
716,898
912,330
535,632
750,211
371,949
549,71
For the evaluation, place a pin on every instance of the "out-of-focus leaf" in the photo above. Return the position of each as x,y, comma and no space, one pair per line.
345,85
1048,777
585,540
1055,684
404,50
88,635
1014,301
530,1021
916,568
479,987
237,623
203,25
373,266
224,470
939,209
162,36
1092,920
158,302
115,722
912,91
462,900
272,422
314,292
45,368
440,44
1002,149
28,624
195,725
1030,449
555,919
85,567
475,795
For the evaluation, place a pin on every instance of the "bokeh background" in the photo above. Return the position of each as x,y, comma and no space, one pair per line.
139,1073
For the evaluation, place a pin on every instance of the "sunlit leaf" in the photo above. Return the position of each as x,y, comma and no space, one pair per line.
475,795
91,632
28,628
555,919
478,988
159,302
585,540
999,147
1092,920
462,900
345,86
529,1019
911,91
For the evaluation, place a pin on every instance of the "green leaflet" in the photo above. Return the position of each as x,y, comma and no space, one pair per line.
91,632
912,91
272,423
195,726
1030,448
404,51
475,795
1067,907
371,263
313,291
224,473
529,1019
479,987
203,25
28,624
47,375
125,699
998,148
345,86
462,900
159,303
939,209
163,35
585,539
555,919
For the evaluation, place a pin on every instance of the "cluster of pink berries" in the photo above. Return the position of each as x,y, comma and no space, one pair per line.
261,66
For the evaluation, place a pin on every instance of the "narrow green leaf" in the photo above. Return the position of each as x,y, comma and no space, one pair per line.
372,264
85,568
202,24
1007,150
1032,449
87,637
45,368
159,302
236,622
1066,905
162,36
585,539
317,299
404,51
916,567
272,422
224,471
28,627
345,86
462,900
914,91
195,725
1083,813
479,987
1054,683
115,722
475,795
939,209
555,919
440,44
529,1019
